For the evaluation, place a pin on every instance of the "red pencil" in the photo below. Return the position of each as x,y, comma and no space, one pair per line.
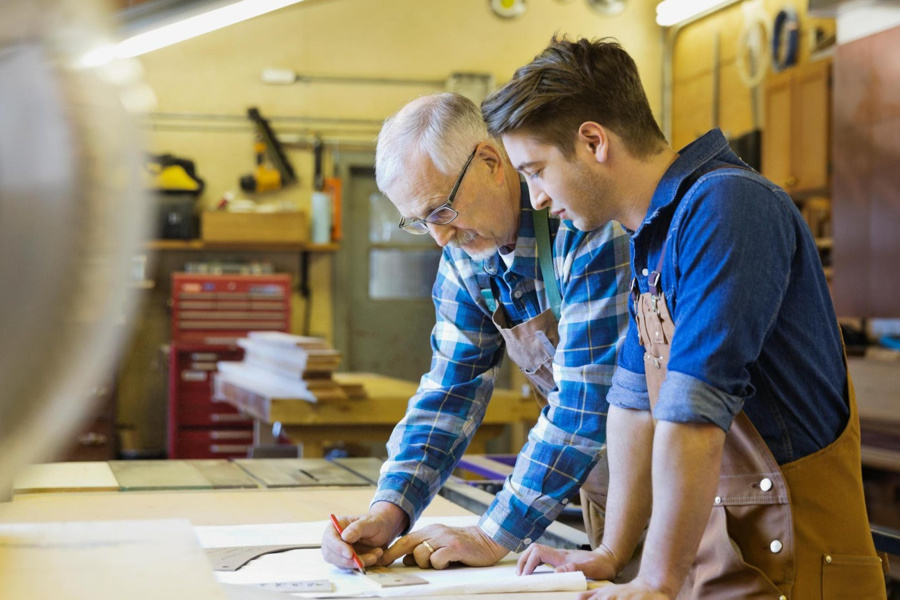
359,563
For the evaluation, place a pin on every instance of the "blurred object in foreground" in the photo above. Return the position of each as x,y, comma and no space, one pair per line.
71,218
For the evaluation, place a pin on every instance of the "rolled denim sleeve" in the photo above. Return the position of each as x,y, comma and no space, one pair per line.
629,384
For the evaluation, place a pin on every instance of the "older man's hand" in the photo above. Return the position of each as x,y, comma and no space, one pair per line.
438,546
368,535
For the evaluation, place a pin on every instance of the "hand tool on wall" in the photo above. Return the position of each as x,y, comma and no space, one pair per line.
273,169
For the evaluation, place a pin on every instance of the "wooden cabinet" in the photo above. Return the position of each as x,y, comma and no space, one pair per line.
797,134
867,176
796,144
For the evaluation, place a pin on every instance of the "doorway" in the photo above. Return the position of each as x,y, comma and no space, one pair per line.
383,308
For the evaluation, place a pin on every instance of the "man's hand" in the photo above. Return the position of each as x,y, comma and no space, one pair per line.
599,564
635,590
368,535
438,546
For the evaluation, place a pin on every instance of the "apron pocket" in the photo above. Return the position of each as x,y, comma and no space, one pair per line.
846,577
720,571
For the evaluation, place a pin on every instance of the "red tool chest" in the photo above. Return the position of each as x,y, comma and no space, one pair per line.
209,314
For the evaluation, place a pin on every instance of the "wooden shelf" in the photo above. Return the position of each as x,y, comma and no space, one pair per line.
196,245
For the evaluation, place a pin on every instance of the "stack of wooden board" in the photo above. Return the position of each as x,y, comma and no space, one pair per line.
281,365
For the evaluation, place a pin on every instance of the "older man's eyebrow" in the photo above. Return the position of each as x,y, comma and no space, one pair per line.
433,204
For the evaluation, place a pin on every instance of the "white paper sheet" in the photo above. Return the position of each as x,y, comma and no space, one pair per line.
308,564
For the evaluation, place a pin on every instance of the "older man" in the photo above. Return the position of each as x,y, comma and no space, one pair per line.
553,296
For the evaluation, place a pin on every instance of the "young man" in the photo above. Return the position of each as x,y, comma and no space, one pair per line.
559,320
731,395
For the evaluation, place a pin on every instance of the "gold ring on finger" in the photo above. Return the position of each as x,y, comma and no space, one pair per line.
427,545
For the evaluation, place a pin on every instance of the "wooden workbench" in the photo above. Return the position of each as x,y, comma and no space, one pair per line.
877,384
69,500
370,419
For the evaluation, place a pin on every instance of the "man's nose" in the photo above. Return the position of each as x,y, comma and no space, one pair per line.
442,234
539,198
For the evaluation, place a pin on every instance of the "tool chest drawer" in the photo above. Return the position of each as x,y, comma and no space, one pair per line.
221,308
214,443
209,314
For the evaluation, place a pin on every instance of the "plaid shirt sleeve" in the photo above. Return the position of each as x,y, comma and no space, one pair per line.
593,274
451,401
452,398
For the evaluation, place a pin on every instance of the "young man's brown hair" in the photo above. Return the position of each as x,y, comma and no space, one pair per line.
570,83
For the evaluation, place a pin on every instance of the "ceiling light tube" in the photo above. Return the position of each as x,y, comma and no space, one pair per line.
184,29
672,12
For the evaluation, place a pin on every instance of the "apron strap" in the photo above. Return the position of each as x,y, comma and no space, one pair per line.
653,280
656,274
545,258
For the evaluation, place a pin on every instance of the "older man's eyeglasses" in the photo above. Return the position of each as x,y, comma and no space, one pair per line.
443,214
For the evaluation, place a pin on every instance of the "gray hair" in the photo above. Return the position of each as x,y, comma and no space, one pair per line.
444,127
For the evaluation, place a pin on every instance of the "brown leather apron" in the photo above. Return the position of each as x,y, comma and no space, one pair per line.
531,345
774,532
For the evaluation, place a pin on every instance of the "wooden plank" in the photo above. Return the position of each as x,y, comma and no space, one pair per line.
299,472
222,474
277,228
368,467
136,475
203,507
65,477
385,404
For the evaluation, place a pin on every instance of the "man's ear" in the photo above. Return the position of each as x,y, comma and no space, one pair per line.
593,138
492,157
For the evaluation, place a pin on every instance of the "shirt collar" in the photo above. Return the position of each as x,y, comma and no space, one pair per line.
680,175
524,237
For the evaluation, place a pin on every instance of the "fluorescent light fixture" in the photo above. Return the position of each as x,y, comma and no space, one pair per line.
672,12
185,29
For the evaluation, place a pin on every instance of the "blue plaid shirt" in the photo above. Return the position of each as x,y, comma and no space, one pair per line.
425,447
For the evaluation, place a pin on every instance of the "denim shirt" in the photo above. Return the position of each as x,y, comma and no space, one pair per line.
755,326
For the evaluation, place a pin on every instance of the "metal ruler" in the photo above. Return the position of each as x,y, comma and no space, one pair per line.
388,578
312,585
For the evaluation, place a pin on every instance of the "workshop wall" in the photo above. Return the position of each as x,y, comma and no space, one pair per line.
219,74
693,64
